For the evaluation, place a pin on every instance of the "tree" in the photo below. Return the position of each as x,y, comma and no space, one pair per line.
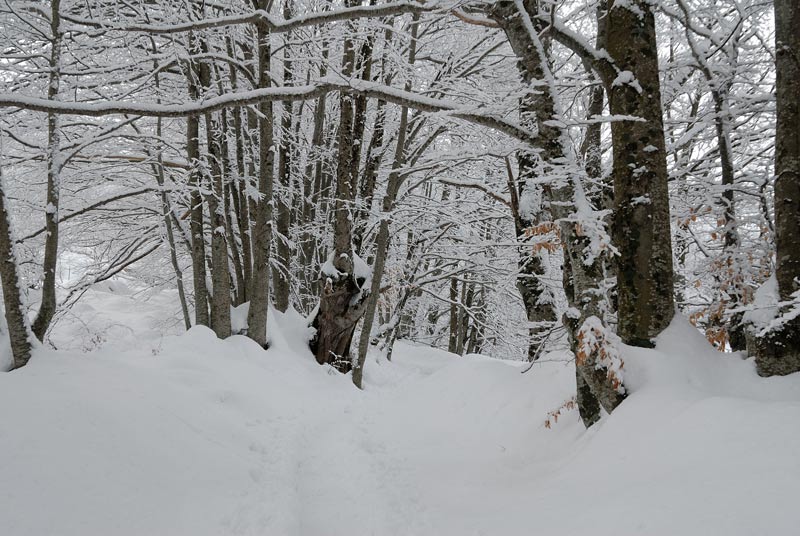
777,345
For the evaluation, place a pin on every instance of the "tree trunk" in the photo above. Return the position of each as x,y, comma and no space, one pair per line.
262,229
47,308
452,341
393,188
16,317
196,201
527,198
641,197
778,351
597,384
342,302
281,268
220,269
312,194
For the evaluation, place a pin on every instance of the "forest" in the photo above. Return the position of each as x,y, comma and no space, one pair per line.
327,206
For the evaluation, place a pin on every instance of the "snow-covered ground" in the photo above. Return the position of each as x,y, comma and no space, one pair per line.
190,435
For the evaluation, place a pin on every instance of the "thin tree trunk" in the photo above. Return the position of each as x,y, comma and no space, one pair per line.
452,341
281,268
312,193
238,190
262,230
343,299
383,239
47,308
731,242
196,201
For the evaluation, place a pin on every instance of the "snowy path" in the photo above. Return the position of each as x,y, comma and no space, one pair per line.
195,436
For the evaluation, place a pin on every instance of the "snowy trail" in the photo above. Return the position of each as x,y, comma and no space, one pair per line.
194,436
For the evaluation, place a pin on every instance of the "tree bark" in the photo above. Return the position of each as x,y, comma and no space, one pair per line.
220,269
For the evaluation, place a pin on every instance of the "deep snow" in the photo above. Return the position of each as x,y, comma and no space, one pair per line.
190,435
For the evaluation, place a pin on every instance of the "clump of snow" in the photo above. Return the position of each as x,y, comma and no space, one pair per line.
328,269
239,318
630,6
764,307
627,78
362,271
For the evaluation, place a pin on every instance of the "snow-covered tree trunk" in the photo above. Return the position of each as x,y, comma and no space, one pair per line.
527,199
591,342
220,270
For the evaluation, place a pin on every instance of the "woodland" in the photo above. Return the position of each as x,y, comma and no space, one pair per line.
418,169
537,181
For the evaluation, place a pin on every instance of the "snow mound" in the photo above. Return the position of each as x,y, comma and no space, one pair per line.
191,435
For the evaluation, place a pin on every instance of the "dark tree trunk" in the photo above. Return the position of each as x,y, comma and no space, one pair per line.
452,341
641,197
528,215
16,318
787,147
778,351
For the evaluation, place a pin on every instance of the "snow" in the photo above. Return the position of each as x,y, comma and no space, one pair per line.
198,436
768,312
630,6
764,308
362,270
627,78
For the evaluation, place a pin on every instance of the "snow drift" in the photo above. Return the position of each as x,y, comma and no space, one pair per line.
193,435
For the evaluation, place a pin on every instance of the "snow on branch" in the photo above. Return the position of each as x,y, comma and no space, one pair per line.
477,186
285,94
261,17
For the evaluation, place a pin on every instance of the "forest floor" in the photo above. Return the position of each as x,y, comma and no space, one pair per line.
190,435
